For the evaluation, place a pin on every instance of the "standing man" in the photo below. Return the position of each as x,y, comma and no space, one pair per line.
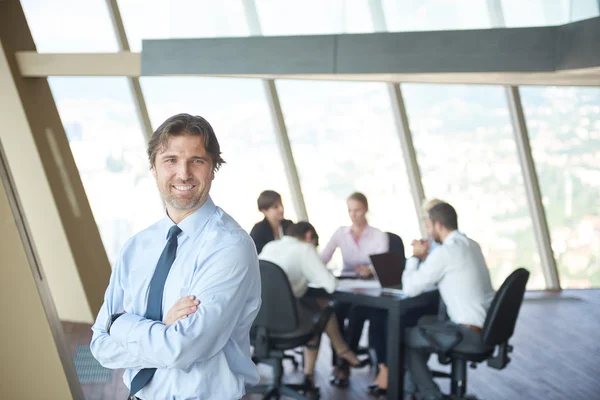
184,292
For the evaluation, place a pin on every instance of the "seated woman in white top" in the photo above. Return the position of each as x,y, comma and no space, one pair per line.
357,241
296,254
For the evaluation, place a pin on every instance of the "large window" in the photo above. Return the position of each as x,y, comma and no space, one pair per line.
313,17
110,151
518,13
564,129
70,26
434,15
158,19
239,114
467,154
344,140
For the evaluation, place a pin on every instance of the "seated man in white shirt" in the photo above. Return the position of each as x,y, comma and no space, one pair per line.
296,254
458,269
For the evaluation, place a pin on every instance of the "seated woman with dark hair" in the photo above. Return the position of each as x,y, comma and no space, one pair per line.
296,254
274,224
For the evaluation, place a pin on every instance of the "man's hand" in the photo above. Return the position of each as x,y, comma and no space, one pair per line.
184,307
363,271
420,248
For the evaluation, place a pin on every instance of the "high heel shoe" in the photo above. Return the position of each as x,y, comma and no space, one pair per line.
339,377
375,390
359,364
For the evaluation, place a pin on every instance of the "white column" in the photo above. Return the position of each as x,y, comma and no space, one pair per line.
283,140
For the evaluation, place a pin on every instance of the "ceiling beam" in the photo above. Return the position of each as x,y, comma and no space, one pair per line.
35,65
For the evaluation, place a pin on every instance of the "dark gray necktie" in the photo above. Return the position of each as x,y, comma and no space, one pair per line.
155,295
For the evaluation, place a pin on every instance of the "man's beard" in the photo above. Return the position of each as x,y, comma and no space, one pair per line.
179,203
183,204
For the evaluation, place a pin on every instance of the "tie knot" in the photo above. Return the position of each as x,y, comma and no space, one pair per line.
173,232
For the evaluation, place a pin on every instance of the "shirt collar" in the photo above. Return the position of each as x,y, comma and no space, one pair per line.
193,223
451,236
366,232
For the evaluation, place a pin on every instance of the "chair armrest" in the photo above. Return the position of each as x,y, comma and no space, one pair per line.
261,343
500,360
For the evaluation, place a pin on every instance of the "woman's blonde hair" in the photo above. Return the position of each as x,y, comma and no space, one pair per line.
360,198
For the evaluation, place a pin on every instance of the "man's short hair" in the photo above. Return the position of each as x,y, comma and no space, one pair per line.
268,199
185,124
428,204
299,229
445,214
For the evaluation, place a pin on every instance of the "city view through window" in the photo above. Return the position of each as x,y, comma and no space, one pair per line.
342,134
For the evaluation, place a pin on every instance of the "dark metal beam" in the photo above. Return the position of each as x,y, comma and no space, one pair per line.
540,49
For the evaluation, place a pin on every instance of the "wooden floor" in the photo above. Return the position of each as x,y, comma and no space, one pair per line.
556,356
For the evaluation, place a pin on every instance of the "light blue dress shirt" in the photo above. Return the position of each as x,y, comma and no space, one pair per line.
432,245
206,355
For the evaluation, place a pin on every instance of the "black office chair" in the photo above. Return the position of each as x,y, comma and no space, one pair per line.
498,328
396,244
282,324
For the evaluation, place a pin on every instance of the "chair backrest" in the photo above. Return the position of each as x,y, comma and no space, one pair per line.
396,244
502,316
278,312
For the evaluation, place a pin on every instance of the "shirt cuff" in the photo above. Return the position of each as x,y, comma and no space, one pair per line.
411,264
120,329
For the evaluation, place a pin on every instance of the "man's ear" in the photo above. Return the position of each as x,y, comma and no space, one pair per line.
153,169
308,236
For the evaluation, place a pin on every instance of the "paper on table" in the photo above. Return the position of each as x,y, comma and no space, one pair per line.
358,283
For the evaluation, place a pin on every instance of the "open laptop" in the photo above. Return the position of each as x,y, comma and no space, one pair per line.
388,269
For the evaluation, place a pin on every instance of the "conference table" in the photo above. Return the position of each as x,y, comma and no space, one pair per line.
367,293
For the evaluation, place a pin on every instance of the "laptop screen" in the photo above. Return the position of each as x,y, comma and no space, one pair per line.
388,268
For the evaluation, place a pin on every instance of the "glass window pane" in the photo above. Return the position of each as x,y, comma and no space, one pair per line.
564,129
70,26
518,13
584,9
468,157
344,140
110,151
434,15
313,17
239,114
158,19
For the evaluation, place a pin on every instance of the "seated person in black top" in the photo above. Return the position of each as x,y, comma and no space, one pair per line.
274,225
